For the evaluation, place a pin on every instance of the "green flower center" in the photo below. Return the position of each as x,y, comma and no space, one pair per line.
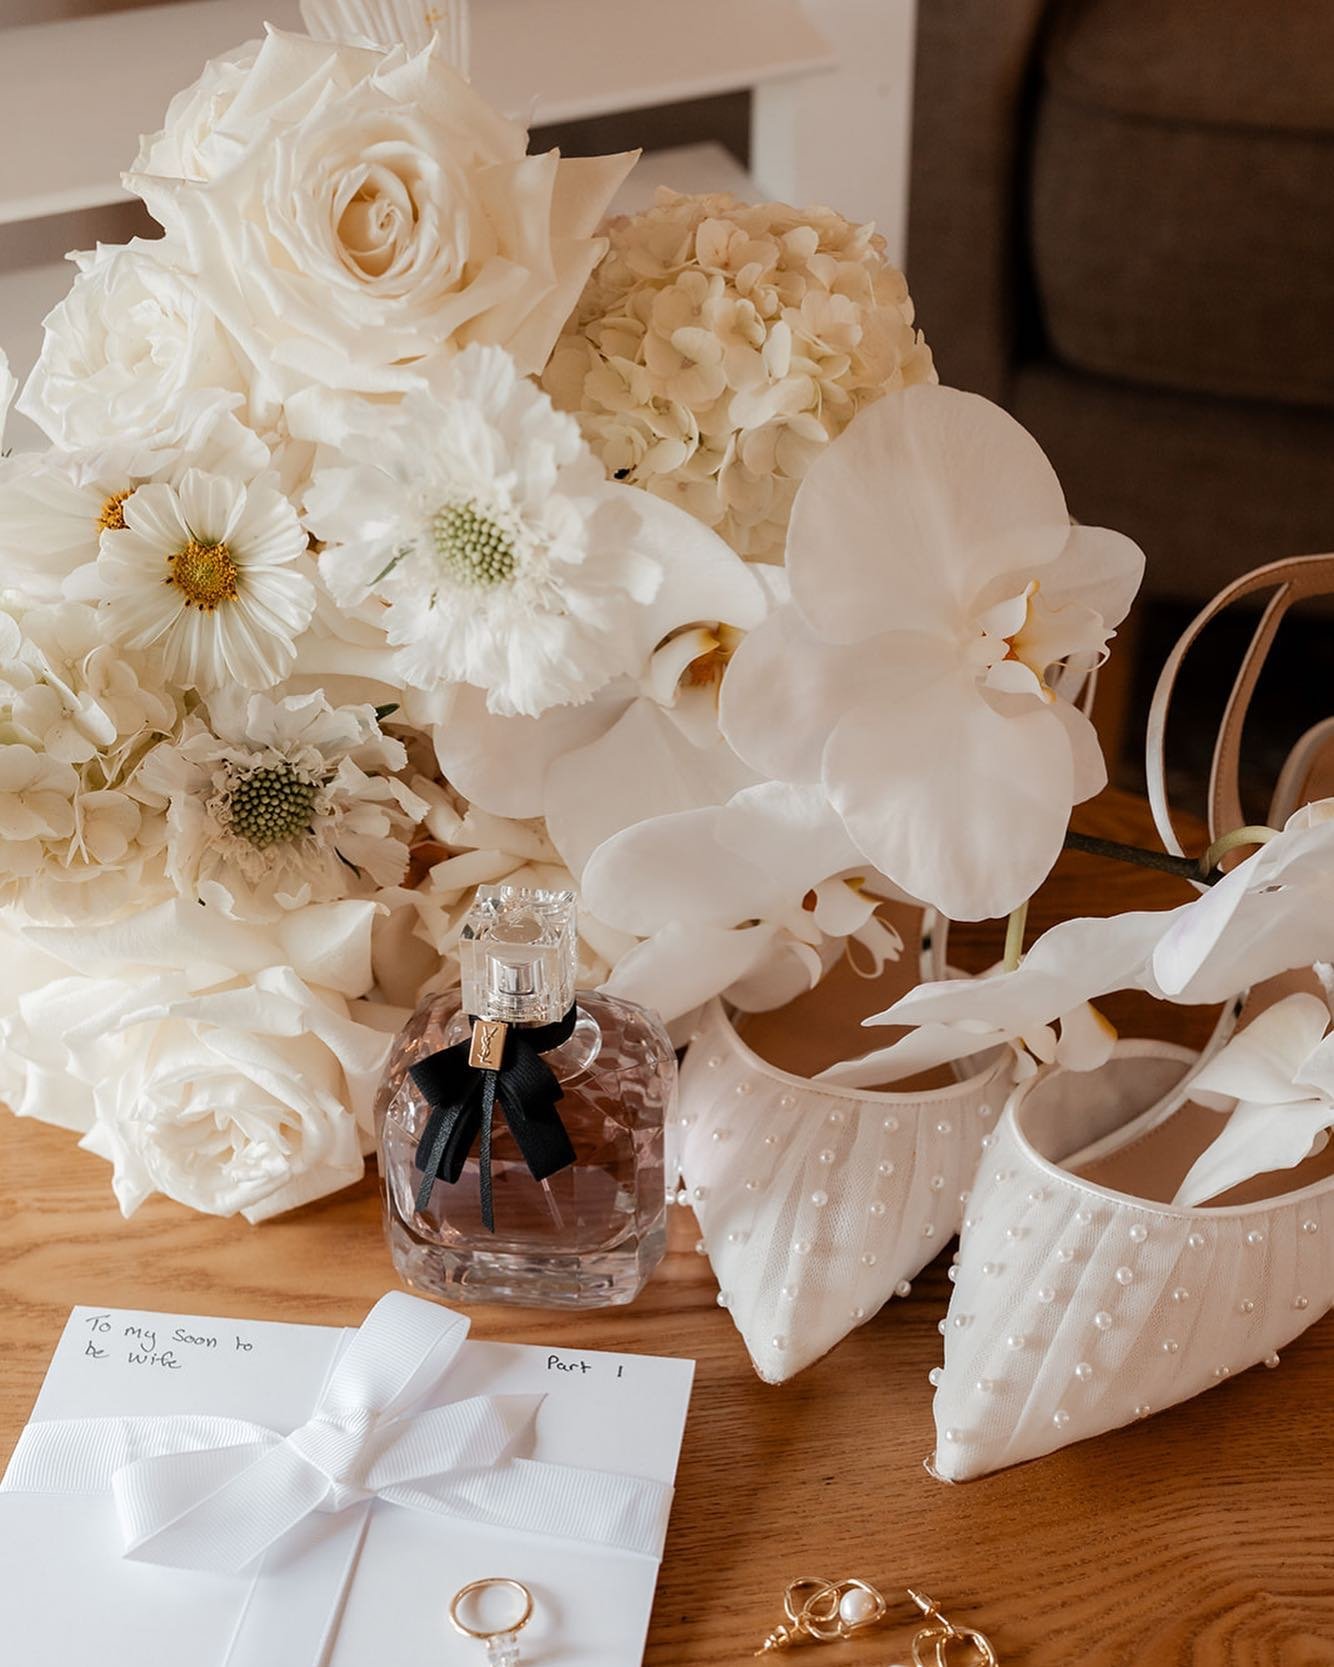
474,549
270,805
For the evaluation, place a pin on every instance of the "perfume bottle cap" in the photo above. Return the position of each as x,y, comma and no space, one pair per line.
518,954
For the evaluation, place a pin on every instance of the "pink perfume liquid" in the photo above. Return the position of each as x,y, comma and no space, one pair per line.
588,1236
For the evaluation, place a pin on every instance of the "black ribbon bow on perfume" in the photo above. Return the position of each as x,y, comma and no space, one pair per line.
463,1097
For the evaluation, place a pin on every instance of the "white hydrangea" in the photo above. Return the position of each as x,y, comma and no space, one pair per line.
719,346
76,715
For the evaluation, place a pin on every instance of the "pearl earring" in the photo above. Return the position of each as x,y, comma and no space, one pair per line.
825,1612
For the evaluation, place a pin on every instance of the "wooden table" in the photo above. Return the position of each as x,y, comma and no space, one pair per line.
1200,1537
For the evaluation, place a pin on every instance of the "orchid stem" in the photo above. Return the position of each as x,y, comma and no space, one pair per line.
1014,936
1252,834
1201,870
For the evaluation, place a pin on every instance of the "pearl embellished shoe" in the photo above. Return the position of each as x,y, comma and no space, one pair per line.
1111,1269
1082,1302
817,1203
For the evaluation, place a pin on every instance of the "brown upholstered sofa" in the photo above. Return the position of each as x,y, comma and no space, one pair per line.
1122,227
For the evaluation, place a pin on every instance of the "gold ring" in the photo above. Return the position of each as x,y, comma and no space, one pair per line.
472,1588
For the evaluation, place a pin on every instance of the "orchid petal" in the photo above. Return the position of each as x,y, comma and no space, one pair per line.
1262,1060
642,767
785,689
1255,1140
881,535
703,581
683,966
960,805
501,763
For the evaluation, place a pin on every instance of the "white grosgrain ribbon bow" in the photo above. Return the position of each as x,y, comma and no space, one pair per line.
210,1493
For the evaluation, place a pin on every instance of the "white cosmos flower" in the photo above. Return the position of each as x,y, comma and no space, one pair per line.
206,576
1275,1078
477,527
935,581
749,899
275,804
55,505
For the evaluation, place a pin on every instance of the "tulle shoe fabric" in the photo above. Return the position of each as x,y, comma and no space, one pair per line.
816,1204
1078,1308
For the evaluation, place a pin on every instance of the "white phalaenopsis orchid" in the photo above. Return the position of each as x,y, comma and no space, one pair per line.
749,899
936,580
1275,1078
1272,913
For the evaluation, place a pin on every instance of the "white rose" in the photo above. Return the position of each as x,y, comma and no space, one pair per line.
34,1078
132,351
380,212
188,146
230,1087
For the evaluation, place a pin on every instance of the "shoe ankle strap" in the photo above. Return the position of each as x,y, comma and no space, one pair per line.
1293,580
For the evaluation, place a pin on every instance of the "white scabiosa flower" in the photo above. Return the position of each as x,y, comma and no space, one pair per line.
479,530
206,577
274,804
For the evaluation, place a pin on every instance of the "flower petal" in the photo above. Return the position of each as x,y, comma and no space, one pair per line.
785,689
961,806
1255,1140
683,966
927,496
501,763
642,767
1262,1060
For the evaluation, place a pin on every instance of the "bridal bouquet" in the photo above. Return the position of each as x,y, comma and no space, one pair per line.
404,527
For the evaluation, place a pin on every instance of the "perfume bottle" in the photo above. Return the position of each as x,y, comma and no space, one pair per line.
520,1123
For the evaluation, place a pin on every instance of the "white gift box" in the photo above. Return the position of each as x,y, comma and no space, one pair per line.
224,1493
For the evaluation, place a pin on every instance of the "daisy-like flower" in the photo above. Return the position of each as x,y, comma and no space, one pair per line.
205,575
274,804
55,505
484,536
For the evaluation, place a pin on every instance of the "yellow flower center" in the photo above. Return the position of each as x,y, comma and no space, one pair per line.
205,573
111,516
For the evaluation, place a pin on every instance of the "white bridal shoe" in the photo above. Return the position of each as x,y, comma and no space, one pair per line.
1085,1297
818,1203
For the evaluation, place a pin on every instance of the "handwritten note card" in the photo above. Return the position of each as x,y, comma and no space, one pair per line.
346,1589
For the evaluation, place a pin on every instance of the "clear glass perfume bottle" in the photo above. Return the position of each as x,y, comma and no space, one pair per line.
592,1232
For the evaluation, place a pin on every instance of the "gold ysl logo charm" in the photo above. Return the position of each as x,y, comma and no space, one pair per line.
488,1044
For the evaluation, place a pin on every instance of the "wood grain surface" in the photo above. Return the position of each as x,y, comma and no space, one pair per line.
1201,1538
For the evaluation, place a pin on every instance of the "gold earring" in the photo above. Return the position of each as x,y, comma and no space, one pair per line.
825,1612
932,1645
